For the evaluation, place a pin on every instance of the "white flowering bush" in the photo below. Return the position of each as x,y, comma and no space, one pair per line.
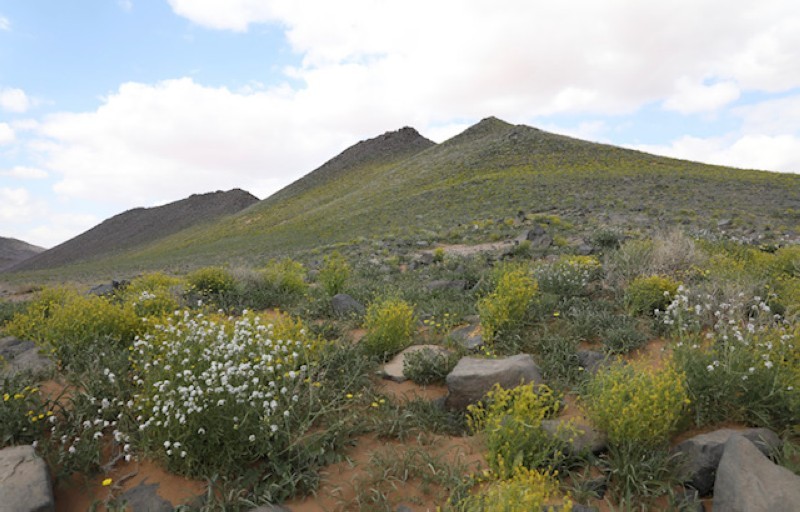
213,393
569,276
742,361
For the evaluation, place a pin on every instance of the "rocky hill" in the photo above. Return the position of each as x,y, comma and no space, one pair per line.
141,226
13,251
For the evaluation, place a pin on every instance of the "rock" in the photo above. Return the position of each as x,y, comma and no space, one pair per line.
444,284
22,357
468,336
591,360
585,250
108,288
145,498
393,370
701,454
270,508
421,260
688,500
473,377
345,305
24,481
535,232
747,481
403,508
724,223
587,439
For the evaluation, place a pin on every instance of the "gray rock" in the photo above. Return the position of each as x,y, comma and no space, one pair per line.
393,370
724,223
22,357
473,377
444,284
345,305
145,498
468,336
700,455
587,439
421,260
688,500
747,481
584,250
270,508
24,481
592,361
535,232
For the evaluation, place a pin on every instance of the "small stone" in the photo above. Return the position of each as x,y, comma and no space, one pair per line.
393,370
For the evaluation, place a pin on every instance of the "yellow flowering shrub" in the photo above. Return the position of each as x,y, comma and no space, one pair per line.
511,422
390,327
646,294
152,294
635,404
334,273
524,491
506,306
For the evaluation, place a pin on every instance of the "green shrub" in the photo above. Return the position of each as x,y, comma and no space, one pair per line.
623,337
428,366
334,273
526,490
390,327
511,422
569,276
286,277
211,282
69,323
9,309
23,414
506,306
153,294
635,404
646,294
252,383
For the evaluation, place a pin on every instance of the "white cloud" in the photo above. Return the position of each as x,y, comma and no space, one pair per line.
125,5
691,97
5,23
752,151
773,117
23,172
14,100
6,133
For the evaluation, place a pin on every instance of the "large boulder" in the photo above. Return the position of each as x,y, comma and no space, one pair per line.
24,481
22,357
345,305
747,481
700,455
473,377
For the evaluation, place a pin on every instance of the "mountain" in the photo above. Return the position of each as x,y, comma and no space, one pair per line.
137,227
13,251
402,186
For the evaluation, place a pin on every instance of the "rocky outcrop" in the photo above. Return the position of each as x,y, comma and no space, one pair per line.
701,454
393,370
473,377
22,357
24,481
747,481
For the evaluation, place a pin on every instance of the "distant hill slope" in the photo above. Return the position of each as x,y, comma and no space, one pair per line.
13,251
140,226
401,185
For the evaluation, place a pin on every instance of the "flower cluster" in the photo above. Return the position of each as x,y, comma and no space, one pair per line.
218,389
569,275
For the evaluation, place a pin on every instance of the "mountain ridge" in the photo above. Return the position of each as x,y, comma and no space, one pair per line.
14,251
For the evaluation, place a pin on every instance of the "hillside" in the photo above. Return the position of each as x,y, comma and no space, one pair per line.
13,251
402,186
140,226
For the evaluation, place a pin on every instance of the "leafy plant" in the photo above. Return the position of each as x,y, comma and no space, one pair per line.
24,416
569,276
511,422
525,490
646,294
334,273
212,283
506,306
390,327
429,366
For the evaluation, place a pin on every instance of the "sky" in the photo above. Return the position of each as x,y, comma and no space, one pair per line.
107,105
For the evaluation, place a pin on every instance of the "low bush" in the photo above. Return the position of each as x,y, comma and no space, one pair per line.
505,307
334,273
524,491
24,416
637,405
428,366
390,326
68,323
646,294
214,284
511,422
153,294
569,276
286,277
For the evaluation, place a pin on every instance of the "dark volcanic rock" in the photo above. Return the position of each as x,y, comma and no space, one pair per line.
473,377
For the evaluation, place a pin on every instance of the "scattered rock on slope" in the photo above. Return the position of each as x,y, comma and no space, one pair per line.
473,377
